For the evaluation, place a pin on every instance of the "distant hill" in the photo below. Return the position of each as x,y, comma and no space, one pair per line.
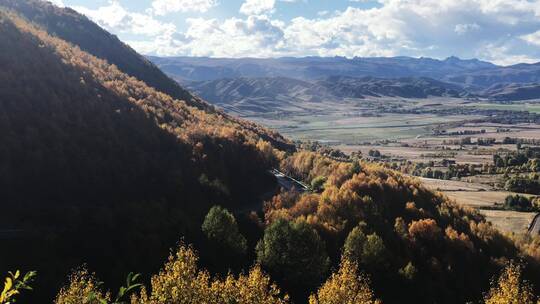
513,91
484,78
260,95
264,95
407,87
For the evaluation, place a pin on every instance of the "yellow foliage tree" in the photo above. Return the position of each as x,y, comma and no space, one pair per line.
510,288
181,282
345,286
83,288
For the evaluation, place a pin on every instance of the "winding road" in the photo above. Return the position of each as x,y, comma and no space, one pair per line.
534,228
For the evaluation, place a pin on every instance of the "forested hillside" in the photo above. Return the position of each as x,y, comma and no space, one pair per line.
417,246
77,29
96,164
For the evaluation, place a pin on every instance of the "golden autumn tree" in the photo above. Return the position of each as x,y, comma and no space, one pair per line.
84,288
510,288
181,281
345,286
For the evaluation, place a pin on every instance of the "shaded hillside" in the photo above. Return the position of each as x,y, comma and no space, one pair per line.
73,27
95,164
260,95
513,91
410,87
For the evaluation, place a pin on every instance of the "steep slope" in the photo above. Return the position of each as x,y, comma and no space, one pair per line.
95,164
77,29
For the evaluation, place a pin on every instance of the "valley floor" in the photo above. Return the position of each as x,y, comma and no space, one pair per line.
422,131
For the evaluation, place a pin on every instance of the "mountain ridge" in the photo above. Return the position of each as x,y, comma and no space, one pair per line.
473,76
193,68
76,28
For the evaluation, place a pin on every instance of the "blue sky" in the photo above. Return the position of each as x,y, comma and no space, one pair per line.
501,31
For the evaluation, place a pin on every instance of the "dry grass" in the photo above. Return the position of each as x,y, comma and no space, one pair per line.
512,221
481,196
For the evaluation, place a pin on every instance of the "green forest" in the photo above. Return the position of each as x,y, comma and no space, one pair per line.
110,170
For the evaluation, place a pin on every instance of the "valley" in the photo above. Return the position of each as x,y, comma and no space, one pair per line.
421,131
417,138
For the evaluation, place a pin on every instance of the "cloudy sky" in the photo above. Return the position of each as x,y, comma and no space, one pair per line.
501,31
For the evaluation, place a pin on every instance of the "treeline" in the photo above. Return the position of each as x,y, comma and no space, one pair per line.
524,184
489,141
522,203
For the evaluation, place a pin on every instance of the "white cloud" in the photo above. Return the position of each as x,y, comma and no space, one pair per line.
533,38
163,7
462,29
117,19
232,38
257,7
503,31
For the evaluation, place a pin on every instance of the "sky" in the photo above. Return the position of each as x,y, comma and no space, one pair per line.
501,31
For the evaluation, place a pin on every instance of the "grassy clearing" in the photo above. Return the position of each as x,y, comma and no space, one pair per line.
480,196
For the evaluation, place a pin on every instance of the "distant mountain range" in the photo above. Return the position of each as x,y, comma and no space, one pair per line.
252,82
310,68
